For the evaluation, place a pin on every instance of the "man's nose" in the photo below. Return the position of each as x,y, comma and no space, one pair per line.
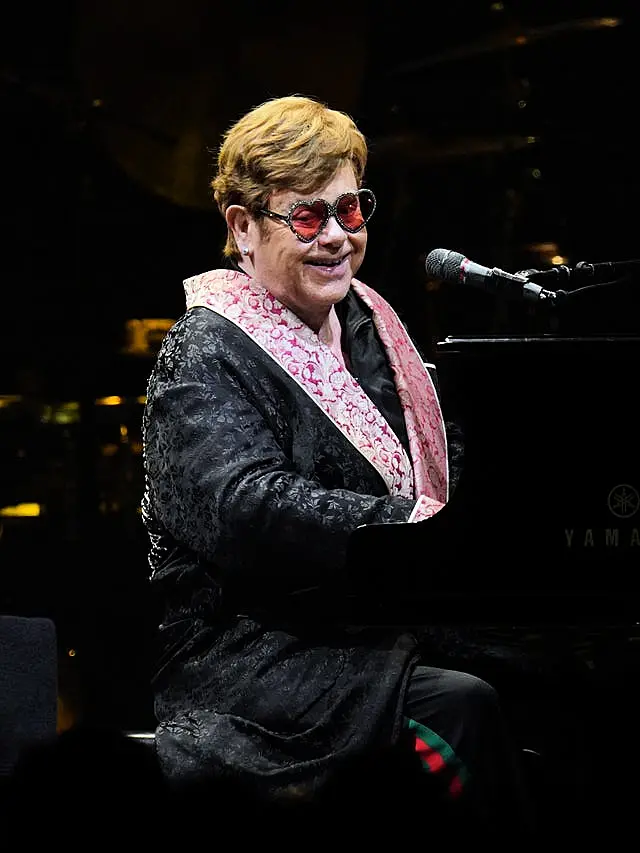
332,232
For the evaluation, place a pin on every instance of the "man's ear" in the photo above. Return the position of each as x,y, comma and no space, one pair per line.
238,221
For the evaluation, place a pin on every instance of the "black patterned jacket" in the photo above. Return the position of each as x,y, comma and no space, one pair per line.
251,494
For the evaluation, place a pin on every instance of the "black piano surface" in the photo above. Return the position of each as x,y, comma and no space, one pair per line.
544,522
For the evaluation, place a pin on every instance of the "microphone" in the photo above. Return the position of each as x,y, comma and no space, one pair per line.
453,266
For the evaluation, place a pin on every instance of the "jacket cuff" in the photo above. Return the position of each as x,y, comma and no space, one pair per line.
424,507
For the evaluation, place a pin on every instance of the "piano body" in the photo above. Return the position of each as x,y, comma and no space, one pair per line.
544,523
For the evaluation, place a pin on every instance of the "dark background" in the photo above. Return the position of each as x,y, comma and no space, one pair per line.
494,130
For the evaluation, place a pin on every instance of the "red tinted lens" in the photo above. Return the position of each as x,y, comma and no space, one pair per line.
355,209
308,219
349,212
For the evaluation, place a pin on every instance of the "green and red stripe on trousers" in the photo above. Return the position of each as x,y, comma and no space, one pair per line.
438,757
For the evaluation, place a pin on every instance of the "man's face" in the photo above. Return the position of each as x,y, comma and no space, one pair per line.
309,278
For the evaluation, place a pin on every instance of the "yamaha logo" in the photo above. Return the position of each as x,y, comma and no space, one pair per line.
623,501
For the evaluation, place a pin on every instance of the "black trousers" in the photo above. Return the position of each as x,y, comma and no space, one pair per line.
465,712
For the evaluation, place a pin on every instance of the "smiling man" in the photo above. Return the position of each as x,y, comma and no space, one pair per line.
287,407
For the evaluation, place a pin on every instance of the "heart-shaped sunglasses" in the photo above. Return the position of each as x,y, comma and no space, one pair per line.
307,218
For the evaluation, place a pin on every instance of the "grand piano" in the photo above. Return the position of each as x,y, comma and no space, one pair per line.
544,522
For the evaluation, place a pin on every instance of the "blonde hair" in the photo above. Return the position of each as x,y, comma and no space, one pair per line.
290,143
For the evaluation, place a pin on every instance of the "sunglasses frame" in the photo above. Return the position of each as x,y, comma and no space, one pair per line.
332,210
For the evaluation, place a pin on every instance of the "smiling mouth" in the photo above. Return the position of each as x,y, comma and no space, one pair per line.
326,262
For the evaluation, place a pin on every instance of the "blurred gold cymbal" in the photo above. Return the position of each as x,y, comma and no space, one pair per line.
168,79
508,39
